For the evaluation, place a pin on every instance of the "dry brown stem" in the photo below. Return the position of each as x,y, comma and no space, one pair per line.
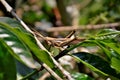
82,27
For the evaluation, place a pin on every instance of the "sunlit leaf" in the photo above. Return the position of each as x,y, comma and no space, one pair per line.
107,34
81,76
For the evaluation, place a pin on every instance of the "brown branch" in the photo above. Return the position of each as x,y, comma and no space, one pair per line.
82,27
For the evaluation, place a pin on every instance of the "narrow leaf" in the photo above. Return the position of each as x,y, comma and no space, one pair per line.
112,45
96,63
107,34
115,64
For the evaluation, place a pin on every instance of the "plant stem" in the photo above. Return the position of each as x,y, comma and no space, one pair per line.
10,10
29,75
64,52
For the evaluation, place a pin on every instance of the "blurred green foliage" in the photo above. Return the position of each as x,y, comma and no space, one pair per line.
100,11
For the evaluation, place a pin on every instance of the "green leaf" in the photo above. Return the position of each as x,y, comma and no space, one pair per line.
115,63
7,63
112,45
11,22
106,50
96,63
81,76
26,45
107,31
107,34
12,39
45,57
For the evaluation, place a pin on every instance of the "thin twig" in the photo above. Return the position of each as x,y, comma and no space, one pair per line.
71,34
60,42
9,9
82,27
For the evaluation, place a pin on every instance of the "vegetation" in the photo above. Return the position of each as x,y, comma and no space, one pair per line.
27,54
